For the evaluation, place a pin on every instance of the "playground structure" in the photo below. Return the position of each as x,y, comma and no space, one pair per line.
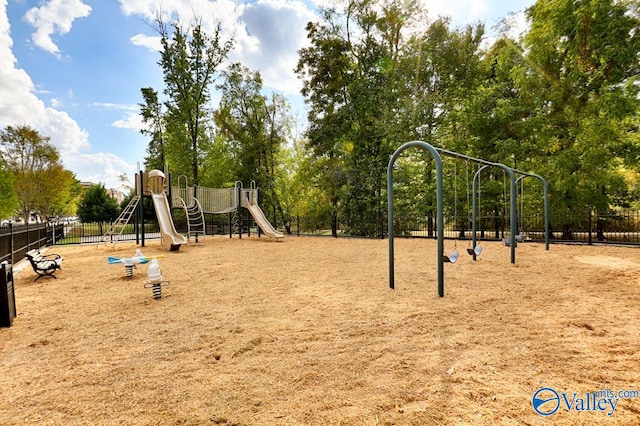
156,181
225,200
195,201
437,154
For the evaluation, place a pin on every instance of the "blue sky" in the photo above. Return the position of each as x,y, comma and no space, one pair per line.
73,69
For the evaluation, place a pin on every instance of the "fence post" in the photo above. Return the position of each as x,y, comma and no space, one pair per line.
11,244
590,226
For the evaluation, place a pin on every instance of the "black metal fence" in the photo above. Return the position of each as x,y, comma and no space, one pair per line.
16,240
622,227
86,233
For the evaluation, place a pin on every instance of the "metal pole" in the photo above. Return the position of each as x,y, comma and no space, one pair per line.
545,190
439,215
141,202
474,226
545,194
136,213
513,214
12,245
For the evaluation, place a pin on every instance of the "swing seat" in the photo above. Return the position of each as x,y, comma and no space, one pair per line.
521,238
475,251
452,258
507,242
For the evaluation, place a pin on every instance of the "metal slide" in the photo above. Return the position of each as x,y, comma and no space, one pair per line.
167,228
261,220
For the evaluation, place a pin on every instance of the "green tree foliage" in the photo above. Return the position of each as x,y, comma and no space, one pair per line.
346,74
370,89
190,58
59,192
326,68
153,117
219,167
97,206
441,68
581,70
256,128
9,201
562,102
41,183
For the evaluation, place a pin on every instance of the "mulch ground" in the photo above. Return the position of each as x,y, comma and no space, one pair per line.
307,332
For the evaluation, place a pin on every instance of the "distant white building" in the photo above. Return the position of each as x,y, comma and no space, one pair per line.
116,194
113,193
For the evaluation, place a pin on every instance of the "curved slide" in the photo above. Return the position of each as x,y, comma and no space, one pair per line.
167,229
261,220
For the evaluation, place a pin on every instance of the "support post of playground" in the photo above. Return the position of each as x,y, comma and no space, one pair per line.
511,172
439,212
140,192
545,192
513,204
474,209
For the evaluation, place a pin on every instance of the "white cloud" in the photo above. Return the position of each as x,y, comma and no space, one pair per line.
152,43
20,105
132,120
267,33
279,29
101,167
131,115
54,17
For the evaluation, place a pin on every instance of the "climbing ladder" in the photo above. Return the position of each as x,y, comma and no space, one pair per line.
195,218
117,227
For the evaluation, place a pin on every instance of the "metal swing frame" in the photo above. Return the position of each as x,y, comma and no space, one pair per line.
436,153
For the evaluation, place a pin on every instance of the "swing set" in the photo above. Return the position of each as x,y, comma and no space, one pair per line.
475,248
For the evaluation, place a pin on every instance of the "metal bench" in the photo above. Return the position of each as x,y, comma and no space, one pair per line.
44,265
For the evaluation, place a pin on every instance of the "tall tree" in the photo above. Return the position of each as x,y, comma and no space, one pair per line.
326,70
9,201
256,128
371,88
351,81
190,58
58,191
97,206
41,183
582,68
153,116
